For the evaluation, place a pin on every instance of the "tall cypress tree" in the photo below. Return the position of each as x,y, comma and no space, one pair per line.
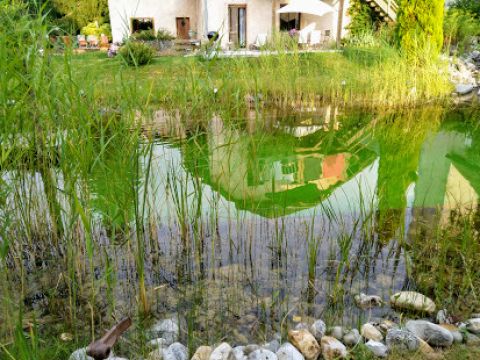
420,26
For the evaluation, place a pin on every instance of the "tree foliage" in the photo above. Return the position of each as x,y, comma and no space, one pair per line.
472,6
82,12
420,26
362,17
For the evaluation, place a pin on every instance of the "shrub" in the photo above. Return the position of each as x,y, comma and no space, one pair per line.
420,27
94,28
144,35
471,6
165,35
136,53
460,27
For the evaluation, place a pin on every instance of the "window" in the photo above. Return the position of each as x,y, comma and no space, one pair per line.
238,25
289,21
141,24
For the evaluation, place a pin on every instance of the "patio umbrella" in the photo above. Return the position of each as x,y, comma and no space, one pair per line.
312,7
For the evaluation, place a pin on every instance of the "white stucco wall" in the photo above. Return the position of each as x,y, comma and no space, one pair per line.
163,12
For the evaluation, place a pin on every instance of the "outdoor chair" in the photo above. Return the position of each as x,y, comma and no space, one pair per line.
260,42
92,41
304,34
82,42
315,39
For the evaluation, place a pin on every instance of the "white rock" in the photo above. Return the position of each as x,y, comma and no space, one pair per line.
221,352
158,343
167,329
273,346
337,332
370,332
305,342
262,354
473,325
176,351
433,334
411,300
289,352
352,338
80,354
202,353
402,340
318,329
377,348
464,89
367,301
333,349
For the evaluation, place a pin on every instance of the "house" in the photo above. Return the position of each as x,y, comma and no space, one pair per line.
239,22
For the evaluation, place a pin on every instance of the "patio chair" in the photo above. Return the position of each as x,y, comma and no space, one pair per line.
260,42
82,42
315,38
92,41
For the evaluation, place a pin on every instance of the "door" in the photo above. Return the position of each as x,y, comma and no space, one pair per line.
183,27
237,15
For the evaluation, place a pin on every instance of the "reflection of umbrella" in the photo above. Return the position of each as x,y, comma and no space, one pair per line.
312,7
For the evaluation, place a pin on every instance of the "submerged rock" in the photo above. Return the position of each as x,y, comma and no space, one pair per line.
176,351
221,352
333,349
305,342
431,333
410,300
289,352
377,348
367,301
262,354
202,353
402,340
370,332
352,338
473,325
318,329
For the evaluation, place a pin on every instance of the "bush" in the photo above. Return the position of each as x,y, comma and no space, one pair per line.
460,27
144,35
165,35
136,53
94,28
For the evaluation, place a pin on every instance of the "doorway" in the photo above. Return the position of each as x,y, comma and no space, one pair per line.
183,28
237,15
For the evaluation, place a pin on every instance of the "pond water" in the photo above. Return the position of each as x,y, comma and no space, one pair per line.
243,227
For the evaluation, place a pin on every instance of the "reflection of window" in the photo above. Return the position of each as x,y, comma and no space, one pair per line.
289,21
140,24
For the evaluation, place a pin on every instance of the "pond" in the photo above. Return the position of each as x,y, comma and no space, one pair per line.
243,227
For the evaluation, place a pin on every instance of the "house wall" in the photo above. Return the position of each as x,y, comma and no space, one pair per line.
163,12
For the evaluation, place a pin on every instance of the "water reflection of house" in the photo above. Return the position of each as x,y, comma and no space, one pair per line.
279,173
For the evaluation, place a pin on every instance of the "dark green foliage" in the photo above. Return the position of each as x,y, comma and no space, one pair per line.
144,35
472,6
420,26
164,35
460,27
137,53
363,18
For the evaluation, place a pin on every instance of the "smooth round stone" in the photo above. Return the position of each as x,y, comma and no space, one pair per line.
402,340
352,337
237,353
262,354
433,334
176,351
250,348
473,325
377,348
333,349
167,329
337,332
221,352
202,353
289,352
305,342
318,329
411,300
472,340
370,332
364,301
455,331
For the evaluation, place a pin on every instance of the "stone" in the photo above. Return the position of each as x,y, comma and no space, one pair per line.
370,332
410,300
472,340
318,329
352,338
301,326
156,354
167,329
473,325
80,354
202,353
289,352
333,349
262,354
433,334
337,332
402,340
377,348
364,301
386,325
221,352
273,346
464,89
158,343
237,353
176,351
250,348
442,317
305,342
455,331
428,352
